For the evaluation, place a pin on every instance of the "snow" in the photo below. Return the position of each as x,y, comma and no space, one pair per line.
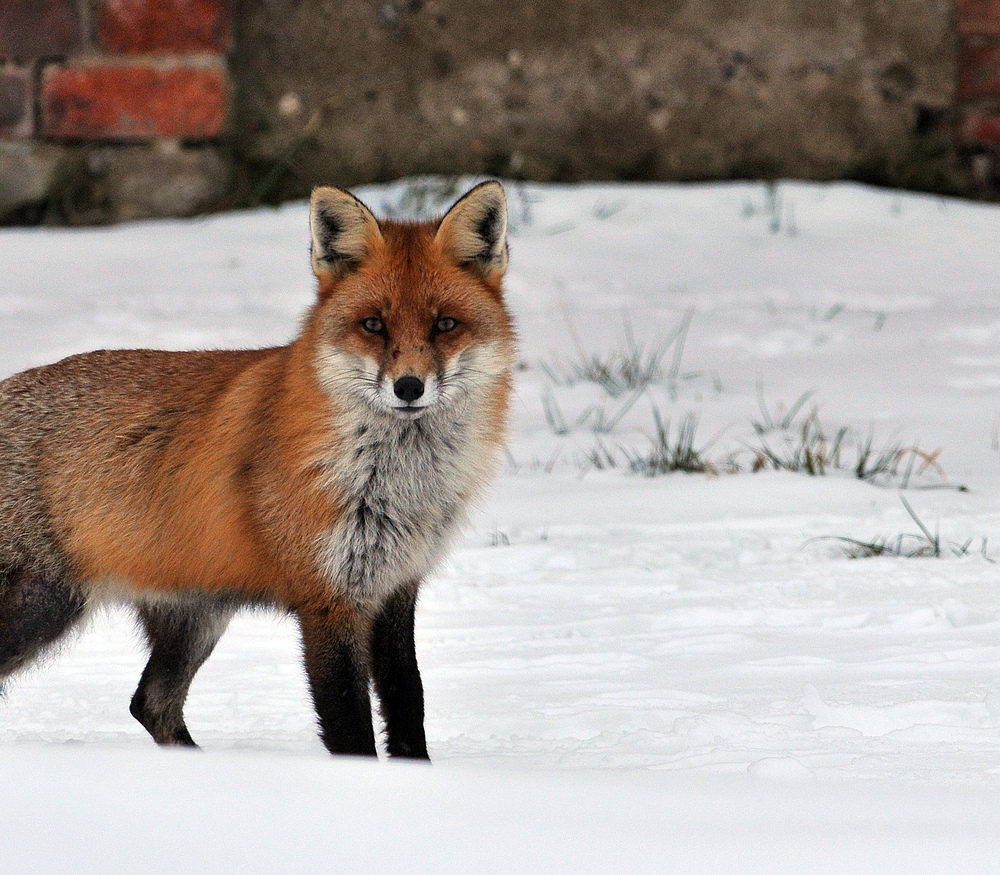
107,810
622,672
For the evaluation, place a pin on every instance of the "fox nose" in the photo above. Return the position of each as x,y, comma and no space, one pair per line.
408,389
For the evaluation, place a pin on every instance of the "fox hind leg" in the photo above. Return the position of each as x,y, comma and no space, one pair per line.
36,610
181,638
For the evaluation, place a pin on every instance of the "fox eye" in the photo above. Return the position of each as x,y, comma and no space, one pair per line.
446,324
372,325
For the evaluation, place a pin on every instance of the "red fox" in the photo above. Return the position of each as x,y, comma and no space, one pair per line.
325,477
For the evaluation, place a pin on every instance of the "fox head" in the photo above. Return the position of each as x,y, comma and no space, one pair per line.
410,317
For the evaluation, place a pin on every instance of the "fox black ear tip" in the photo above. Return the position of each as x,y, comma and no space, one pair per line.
321,193
494,185
489,194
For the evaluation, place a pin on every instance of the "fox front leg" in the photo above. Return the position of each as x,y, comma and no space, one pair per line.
397,677
334,640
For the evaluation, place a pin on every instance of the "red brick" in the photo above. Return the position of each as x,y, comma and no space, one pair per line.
978,71
16,112
979,17
32,29
981,130
163,26
132,102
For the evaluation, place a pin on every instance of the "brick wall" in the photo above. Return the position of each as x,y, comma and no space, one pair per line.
978,93
118,104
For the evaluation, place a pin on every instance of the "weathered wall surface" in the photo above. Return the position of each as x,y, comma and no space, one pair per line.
113,109
363,90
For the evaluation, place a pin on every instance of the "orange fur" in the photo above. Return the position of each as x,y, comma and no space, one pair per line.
236,500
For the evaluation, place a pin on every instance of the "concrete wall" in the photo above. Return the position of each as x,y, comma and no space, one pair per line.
361,90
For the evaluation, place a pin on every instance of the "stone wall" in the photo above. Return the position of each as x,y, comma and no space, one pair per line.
115,109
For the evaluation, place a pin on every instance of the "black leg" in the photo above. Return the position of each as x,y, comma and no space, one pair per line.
333,642
35,611
181,638
397,678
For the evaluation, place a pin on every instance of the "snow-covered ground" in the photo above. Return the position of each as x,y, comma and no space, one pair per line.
622,672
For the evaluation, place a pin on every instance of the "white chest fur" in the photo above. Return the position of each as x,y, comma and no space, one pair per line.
407,486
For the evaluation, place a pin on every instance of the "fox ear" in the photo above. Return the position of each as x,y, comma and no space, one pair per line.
343,231
474,230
